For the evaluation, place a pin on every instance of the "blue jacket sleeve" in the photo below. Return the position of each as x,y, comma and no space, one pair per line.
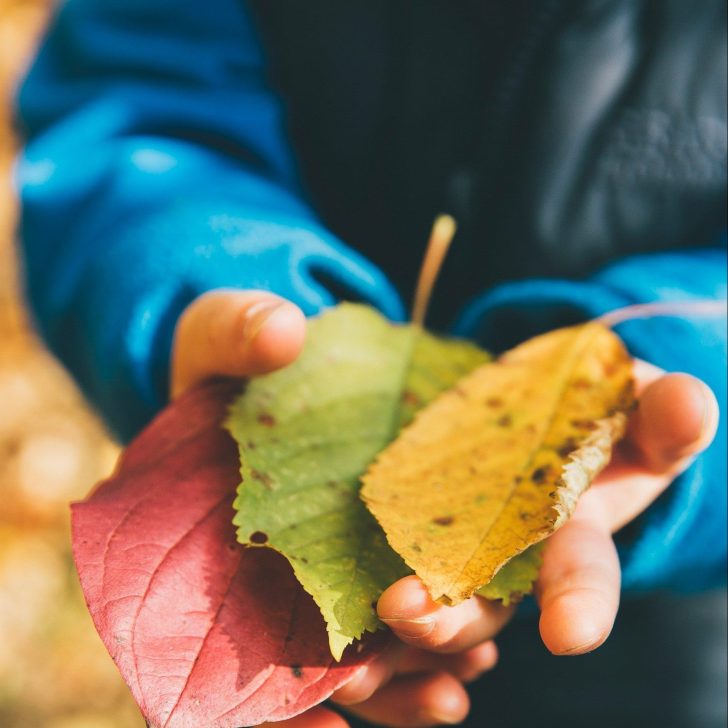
680,542
155,169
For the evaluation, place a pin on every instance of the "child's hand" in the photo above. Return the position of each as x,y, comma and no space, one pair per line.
246,333
578,588
419,682
234,334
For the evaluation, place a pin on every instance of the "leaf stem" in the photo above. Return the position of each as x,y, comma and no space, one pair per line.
700,307
443,231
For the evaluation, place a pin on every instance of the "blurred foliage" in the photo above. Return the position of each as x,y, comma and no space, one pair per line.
54,671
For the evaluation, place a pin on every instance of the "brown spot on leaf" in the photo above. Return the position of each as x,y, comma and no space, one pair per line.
540,474
266,419
567,448
504,421
582,383
494,402
258,538
250,445
443,520
587,425
263,478
410,398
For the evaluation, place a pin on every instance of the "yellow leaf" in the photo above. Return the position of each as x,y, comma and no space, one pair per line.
498,462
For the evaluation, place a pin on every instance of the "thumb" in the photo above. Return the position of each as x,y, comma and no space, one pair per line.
234,333
676,419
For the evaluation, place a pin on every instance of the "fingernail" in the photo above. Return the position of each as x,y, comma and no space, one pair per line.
708,424
445,719
709,411
580,649
256,317
413,628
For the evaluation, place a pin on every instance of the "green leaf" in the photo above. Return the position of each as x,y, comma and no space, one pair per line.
516,578
307,433
436,365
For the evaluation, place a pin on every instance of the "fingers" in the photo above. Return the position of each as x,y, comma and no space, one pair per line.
401,660
465,666
622,492
234,333
417,700
315,718
417,620
578,586
676,418
411,687
370,678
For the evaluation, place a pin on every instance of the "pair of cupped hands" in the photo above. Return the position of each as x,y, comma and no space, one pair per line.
419,680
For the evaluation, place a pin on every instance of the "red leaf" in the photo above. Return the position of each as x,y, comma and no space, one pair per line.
206,634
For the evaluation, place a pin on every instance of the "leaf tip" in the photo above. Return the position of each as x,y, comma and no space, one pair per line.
337,644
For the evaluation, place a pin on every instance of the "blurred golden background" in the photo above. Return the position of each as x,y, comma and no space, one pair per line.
54,671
